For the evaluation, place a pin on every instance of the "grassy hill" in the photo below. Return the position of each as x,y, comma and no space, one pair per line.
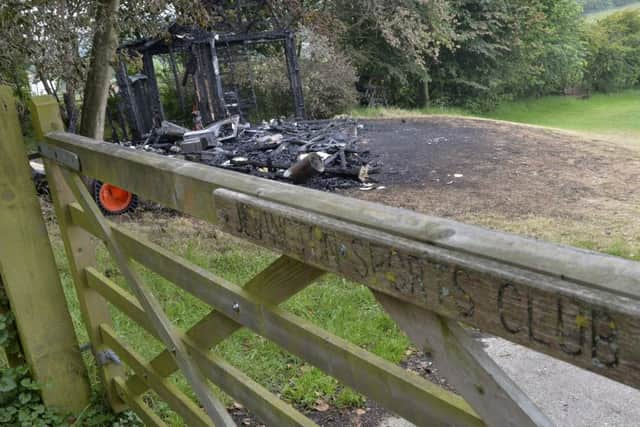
607,114
604,13
613,116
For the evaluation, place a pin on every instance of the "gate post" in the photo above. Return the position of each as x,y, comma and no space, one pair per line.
30,276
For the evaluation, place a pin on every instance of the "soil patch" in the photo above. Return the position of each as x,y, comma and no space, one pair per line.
456,167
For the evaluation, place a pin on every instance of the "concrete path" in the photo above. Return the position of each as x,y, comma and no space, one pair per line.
570,396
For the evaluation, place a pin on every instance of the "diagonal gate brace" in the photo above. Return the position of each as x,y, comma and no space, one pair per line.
166,331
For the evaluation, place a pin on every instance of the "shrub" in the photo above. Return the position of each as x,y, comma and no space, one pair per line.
327,76
614,52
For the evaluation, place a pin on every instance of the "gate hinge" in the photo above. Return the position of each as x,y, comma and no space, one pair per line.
65,158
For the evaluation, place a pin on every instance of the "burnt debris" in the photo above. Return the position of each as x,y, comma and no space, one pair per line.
321,154
327,154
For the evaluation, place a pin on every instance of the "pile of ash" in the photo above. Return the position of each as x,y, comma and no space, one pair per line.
326,154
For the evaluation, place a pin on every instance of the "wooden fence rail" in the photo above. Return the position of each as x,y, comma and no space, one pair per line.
431,275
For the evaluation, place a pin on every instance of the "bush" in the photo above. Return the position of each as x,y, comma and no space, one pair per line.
327,76
614,52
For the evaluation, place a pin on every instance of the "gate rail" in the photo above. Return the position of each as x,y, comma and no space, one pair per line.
429,274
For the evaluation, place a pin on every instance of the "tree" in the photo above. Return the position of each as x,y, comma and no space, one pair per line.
96,93
614,52
510,48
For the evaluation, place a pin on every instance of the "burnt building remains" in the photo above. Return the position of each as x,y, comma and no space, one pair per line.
213,61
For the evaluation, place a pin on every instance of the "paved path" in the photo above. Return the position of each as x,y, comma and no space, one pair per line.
570,396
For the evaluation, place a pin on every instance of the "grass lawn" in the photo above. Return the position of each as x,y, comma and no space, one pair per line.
339,306
603,14
616,114
613,116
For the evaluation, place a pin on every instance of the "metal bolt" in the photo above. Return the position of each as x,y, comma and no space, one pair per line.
236,307
343,250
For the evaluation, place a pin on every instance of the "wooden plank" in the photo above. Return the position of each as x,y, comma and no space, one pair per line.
162,325
587,327
30,276
463,361
148,417
406,394
45,115
80,250
187,186
234,382
177,400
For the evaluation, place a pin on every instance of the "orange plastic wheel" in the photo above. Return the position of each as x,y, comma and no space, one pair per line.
114,199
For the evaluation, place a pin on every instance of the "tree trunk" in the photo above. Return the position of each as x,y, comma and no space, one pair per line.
71,108
96,92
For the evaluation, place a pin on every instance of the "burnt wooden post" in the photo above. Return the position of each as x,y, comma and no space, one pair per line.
127,98
208,81
30,275
293,72
176,78
200,85
218,91
150,72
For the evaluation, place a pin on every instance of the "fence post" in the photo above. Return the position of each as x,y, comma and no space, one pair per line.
79,247
30,276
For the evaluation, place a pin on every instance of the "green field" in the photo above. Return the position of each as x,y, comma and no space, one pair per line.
344,308
603,14
613,116
606,114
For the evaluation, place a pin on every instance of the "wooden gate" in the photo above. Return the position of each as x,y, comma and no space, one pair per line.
434,277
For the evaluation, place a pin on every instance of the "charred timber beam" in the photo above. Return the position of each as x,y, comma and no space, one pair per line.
127,99
293,72
201,86
218,92
161,47
154,92
176,78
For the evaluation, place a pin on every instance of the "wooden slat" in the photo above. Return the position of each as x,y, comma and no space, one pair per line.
187,187
148,417
177,400
29,268
161,324
231,380
406,394
564,303
463,361
588,327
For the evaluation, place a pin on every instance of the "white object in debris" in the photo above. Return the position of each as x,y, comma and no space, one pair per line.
239,160
363,175
382,187
324,156
271,139
457,175
37,166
